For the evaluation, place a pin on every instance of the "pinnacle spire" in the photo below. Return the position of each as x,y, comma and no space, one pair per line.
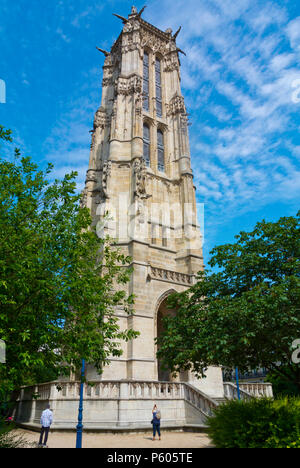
134,13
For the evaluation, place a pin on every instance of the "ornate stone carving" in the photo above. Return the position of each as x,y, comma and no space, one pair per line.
172,276
100,190
153,42
140,193
91,176
184,122
106,172
176,105
139,104
131,25
135,84
171,60
100,118
107,81
140,175
93,139
83,198
130,85
171,65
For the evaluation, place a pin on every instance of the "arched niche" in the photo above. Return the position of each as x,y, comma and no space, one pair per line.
162,310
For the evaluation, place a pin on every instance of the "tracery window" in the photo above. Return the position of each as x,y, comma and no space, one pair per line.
160,151
146,144
158,88
146,81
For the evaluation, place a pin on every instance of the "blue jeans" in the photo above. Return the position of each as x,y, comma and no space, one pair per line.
45,430
156,428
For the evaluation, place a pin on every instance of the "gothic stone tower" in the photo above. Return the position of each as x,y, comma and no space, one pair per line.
140,172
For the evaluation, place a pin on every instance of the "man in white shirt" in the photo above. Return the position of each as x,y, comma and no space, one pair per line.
46,421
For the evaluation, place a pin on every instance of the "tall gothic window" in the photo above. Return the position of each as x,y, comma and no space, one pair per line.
158,88
160,151
146,144
146,81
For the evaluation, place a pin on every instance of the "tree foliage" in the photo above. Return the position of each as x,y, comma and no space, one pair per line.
59,283
247,313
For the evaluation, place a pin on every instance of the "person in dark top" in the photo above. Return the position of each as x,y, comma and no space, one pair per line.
156,422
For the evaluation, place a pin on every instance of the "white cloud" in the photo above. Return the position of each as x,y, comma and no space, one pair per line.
242,58
243,63
293,33
68,144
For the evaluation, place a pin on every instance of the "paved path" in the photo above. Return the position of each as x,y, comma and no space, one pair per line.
138,440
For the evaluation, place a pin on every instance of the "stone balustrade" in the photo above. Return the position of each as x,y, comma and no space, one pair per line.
171,276
139,390
121,390
198,399
248,390
125,403
258,390
231,393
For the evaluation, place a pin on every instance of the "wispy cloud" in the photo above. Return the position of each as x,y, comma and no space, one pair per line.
238,79
246,127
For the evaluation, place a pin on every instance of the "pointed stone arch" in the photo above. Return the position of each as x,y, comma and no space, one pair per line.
160,311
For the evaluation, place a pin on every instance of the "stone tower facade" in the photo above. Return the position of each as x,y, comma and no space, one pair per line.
140,173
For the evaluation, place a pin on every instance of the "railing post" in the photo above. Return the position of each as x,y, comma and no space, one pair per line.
237,383
80,409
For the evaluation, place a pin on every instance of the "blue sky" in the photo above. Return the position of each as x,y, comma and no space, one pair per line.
240,79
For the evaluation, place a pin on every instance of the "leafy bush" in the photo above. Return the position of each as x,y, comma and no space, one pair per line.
258,423
283,386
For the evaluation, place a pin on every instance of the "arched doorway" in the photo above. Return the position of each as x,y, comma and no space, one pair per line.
163,374
163,311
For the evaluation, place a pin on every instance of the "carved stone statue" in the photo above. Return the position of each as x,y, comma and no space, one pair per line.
105,176
140,175
100,118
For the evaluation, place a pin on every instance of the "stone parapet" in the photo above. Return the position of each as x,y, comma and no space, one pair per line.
122,403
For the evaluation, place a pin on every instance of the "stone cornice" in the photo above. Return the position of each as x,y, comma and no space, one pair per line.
163,35
183,257
169,276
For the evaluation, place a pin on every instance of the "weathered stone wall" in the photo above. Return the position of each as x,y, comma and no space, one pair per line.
115,404
153,209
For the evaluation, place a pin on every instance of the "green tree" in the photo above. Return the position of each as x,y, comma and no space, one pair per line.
247,313
59,283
